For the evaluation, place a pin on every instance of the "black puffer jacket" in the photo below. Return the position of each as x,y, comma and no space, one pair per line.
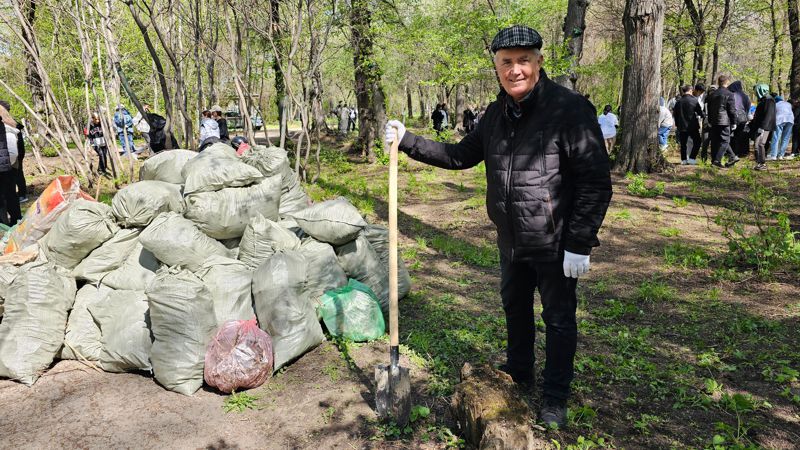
764,117
547,172
721,108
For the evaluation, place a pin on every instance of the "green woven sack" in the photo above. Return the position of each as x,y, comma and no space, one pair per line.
352,312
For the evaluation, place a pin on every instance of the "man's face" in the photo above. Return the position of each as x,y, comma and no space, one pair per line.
518,70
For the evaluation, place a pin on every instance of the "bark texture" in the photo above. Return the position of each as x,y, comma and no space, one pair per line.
794,36
369,91
574,27
644,24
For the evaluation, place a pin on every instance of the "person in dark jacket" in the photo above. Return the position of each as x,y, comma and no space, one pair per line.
222,123
763,124
688,113
99,144
469,120
548,189
722,119
19,175
437,117
740,142
8,187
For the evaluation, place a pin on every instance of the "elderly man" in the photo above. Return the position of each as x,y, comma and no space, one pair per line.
548,188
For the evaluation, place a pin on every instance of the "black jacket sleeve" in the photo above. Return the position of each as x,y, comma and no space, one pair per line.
730,108
467,153
591,176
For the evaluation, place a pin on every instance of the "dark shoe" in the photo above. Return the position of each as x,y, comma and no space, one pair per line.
717,164
761,166
731,163
522,378
553,413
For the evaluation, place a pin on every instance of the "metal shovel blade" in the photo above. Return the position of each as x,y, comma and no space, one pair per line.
393,393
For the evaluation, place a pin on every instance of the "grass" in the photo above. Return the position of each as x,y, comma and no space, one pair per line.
686,256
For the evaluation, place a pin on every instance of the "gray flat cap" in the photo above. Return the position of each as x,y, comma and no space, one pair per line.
516,36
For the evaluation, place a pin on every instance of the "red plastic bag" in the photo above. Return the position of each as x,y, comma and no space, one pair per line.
239,356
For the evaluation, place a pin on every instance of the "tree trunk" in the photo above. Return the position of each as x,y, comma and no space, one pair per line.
369,92
776,37
644,23
281,98
574,26
422,109
211,55
794,37
409,102
195,9
459,112
236,57
726,13
32,77
697,16
181,94
162,80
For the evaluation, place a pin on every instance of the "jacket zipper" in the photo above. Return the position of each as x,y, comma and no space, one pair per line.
509,203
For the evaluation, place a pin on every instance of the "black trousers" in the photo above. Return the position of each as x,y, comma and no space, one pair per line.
706,142
721,142
22,186
740,142
11,213
102,155
690,143
559,302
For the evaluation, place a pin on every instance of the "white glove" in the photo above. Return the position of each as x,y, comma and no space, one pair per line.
733,128
394,128
575,265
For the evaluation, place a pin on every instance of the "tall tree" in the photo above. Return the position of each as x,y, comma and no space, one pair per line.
34,80
726,15
369,91
574,26
794,36
697,15
644,23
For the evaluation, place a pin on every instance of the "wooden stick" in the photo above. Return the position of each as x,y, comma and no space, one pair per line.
394,338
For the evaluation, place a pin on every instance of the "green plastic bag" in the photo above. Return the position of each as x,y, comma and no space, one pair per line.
352,312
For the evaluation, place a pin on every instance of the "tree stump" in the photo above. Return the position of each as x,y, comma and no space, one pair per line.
489,409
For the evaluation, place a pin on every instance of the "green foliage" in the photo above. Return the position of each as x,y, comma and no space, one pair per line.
680,202
484,255
582,416
759,234
238,402
669,232
686,256
655,291
638,186
49,152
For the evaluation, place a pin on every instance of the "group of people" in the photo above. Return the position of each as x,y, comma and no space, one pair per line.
124,125
213,127
441,118
723,120
347,117
13,189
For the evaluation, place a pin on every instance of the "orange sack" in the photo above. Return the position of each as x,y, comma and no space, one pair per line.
39,218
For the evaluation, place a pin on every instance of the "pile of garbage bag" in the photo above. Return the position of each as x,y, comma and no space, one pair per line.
213,268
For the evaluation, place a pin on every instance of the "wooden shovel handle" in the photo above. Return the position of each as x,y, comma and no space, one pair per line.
394,339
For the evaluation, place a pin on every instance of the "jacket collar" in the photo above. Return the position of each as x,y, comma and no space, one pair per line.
513,110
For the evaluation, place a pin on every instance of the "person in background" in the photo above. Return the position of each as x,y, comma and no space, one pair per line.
124,125
665,124
209,130
796,130
784,122
140,122
240,144
740,143
608,125
8,156
437,117
222,123
688,114
22,186
763,124
468,121
722,118
94,131
353,117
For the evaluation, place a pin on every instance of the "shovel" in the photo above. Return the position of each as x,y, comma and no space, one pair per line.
393,391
